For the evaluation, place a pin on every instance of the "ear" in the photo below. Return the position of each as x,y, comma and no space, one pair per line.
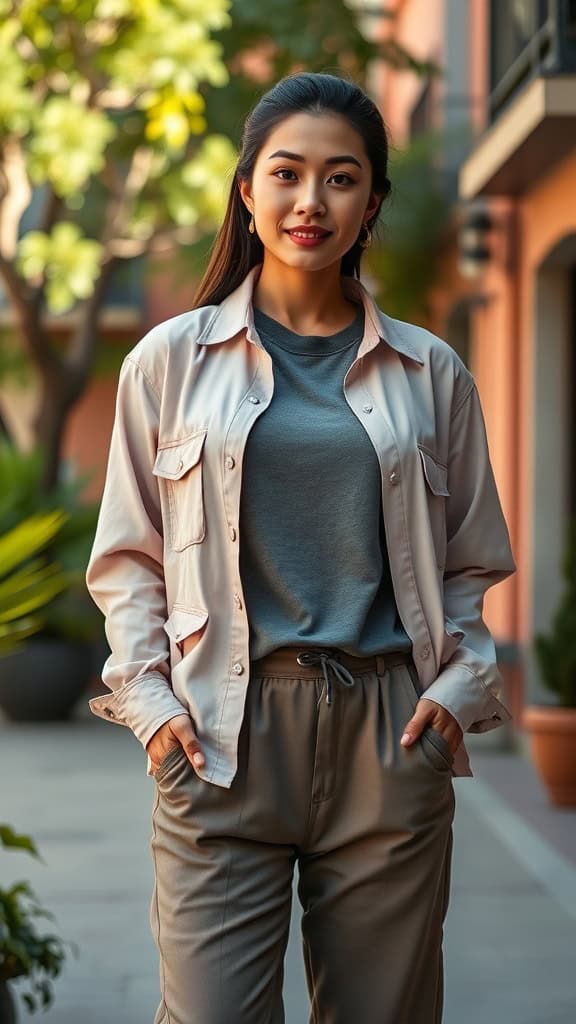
245,192
373,205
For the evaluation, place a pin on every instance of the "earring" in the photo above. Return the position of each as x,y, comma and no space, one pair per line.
251,227
367,240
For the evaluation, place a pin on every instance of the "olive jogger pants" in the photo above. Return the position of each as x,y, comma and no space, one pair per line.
322,779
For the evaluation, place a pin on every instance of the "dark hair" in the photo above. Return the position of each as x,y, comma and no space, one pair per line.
235,250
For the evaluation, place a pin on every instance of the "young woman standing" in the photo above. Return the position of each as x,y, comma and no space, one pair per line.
298,526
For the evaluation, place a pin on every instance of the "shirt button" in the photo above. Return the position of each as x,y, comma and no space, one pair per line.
367,408
232,533
238,668
237,600
394,477
180,464
254,399
229,462
109,712
425,651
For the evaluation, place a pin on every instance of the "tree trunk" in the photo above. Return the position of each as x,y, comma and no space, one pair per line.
64,381
49,427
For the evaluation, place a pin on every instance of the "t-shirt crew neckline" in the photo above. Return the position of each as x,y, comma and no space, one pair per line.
309,344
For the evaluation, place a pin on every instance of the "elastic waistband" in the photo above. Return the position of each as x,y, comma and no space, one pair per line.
283,661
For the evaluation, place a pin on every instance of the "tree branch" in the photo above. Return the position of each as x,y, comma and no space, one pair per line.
134,182
80,356
27,304
15,199
52,209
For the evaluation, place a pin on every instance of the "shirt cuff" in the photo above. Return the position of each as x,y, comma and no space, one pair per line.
473,705
143,705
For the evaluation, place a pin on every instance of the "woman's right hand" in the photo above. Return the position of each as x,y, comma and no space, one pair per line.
177,731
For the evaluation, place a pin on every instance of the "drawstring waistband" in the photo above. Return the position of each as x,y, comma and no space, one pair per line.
284,662
315,656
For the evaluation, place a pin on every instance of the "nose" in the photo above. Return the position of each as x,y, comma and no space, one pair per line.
310,202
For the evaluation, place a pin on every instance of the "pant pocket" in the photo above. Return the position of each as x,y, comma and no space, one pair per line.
172,757
434,745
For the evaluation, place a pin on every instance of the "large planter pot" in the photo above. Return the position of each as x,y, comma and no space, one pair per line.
7,1006
44,679
552,732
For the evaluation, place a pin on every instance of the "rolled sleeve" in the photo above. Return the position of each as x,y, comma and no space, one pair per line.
479,555
125,574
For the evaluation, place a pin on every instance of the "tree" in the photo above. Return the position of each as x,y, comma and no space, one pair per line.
104,114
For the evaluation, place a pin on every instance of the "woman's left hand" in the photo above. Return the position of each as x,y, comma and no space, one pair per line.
428,712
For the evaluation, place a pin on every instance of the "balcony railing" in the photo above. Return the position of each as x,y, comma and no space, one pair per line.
528,38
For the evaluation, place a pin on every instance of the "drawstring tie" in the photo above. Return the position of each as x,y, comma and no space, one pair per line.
317,656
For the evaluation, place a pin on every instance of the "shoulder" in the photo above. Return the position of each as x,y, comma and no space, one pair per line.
169,344
447,371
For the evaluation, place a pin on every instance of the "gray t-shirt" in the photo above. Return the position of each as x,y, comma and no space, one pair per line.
313,558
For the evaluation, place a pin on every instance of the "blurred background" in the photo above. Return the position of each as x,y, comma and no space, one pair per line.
119,128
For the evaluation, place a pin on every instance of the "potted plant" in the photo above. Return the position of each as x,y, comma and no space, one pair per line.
43,679
552,728
27,583
24,952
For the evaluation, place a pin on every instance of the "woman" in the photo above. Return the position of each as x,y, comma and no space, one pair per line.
298,526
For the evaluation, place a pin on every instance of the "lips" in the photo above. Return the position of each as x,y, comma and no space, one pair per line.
309,232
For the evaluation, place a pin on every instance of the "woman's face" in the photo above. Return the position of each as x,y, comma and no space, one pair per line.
324,182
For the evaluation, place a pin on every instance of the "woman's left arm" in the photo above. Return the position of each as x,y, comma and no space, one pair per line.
469,685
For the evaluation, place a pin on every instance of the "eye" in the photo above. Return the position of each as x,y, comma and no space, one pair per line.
340,174
337,174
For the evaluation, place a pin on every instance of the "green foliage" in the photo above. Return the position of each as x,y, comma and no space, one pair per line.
27,583
556,651
332,41
68,263
102,103
24,951
405,262
70,613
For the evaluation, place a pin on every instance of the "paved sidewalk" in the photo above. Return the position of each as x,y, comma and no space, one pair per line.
81,790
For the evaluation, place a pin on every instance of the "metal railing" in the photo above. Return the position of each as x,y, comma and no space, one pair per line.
528,38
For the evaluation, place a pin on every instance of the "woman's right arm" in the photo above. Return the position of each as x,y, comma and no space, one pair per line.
125,574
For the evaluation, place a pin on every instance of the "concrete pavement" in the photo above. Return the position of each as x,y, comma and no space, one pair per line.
81,791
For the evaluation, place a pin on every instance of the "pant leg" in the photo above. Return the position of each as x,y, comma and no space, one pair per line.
374,880
223,865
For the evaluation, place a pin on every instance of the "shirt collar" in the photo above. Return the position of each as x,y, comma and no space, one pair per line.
235,313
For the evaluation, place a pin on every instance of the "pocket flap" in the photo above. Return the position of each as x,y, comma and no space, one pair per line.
183,621
174,461
436,475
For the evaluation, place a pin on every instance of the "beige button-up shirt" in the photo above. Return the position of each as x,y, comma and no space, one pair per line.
164,567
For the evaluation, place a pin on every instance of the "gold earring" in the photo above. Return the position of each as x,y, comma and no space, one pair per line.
366,241
251,225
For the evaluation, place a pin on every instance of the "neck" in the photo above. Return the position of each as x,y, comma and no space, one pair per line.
308,302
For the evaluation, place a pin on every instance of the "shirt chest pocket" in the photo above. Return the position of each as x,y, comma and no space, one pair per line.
436,478
180,465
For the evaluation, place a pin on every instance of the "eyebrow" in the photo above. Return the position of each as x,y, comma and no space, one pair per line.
346,158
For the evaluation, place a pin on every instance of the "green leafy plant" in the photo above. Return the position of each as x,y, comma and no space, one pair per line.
70,613
27,582
404,263
24,951
556,651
